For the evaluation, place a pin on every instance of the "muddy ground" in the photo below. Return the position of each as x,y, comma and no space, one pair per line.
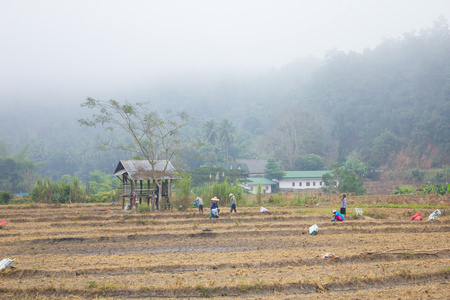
82,252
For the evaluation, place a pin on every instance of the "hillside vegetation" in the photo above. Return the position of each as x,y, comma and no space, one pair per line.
390,105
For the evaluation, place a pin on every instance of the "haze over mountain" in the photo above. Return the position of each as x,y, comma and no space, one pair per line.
364,74
59,51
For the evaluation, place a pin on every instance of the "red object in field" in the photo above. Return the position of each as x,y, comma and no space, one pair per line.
107,210
415,216
419,218
3,222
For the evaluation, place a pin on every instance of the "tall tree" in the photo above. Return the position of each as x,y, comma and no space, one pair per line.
210,131
343,147
273,169
297,133
226,134
343,180
309,162
154,137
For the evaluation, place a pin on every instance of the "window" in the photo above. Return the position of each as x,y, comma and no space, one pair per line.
267,187
321,183
314,183
307,184
293,184
300,183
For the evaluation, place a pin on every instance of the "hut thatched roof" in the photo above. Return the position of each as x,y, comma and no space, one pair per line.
142,169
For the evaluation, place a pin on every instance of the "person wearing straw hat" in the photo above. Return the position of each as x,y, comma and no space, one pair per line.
233,203
214,208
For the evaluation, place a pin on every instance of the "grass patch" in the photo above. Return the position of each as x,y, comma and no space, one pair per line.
144,208
205,291
411,205
105,288
141,222
91,285
314,211
30,205
257,286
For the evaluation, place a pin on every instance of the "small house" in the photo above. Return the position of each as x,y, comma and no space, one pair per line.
255,167
137,176
253,183
301,180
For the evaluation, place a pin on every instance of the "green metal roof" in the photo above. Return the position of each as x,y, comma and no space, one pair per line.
304,174
258,180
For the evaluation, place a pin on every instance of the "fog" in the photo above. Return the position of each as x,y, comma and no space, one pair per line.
64,51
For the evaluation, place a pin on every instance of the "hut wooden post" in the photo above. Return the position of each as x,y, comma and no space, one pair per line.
123,192
148,189
153,190
140,192
136,201
169,194
131,191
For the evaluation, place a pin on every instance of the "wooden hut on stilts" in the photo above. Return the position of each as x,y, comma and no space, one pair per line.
138,176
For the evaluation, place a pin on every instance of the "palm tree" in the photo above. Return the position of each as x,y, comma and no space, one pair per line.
226,133
210,131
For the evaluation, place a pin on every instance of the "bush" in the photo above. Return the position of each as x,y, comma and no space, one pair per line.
144,208
404,189
418,174
441,189
103,197
5,197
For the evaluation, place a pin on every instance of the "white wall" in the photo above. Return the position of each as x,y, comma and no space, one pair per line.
300,184
267,188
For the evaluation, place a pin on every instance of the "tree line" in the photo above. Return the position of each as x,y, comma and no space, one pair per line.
384,102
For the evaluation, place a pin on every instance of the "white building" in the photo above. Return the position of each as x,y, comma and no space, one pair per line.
302,180
253,182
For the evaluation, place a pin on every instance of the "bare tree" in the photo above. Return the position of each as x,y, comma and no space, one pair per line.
297,133
30,177
155,138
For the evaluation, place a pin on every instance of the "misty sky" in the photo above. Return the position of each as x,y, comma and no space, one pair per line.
68,50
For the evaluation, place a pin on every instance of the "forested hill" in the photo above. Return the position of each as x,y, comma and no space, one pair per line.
390,104
395,97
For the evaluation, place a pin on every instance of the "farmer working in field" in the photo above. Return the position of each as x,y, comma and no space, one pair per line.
343,204
214,208
337,216
233,203
200,204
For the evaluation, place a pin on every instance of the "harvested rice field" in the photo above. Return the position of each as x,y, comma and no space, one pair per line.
82,251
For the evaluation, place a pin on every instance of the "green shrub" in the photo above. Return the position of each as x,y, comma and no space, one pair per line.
276,199
144,208
441,189
418,174
5,197
404,189
103,197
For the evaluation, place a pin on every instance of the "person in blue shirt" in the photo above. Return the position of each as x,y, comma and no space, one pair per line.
214,208
337,216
